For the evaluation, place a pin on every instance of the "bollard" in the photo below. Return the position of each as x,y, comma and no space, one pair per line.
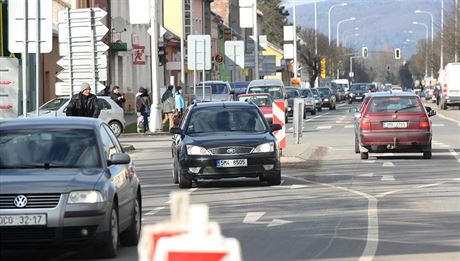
299,110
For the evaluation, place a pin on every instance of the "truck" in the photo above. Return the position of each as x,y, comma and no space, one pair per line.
450,86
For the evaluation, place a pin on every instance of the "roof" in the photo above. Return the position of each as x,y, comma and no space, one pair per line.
265,82
392,94
223,104
55,122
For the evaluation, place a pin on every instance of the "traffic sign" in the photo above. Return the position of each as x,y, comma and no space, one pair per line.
9,87
16,26
139,11
234,54
288,50
199,52
267,65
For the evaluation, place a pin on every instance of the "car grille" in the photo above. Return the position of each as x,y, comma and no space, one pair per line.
33,201
231,150
9,235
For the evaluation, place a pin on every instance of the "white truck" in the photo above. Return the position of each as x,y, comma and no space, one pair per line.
450,86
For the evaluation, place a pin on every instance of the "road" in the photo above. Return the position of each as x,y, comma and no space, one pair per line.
333,206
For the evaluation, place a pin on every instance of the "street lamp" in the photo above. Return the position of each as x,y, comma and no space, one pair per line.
338,27
329,19
432,32
426,46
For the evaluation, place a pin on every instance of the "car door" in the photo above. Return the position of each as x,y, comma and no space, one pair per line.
118,173
105,110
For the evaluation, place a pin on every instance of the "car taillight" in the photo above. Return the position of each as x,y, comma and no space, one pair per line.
365,124
424,123
444,90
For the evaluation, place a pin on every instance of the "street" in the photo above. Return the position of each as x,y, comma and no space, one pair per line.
332,206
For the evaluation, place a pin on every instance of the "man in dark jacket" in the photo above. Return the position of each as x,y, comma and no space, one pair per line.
117,96
83,104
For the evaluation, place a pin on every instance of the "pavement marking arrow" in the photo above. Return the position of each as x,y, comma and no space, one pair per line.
253,217
298,186
367,175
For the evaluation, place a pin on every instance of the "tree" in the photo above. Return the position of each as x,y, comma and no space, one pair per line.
275,17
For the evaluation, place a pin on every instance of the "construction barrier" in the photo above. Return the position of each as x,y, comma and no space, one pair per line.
279,117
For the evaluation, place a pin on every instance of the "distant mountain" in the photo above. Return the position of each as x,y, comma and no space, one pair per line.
380,22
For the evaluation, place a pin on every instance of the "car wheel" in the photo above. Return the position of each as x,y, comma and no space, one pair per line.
319,109
175,172
116,127
313,112
274,179
356,144
109,247
304,115
184,181
131,236
364,155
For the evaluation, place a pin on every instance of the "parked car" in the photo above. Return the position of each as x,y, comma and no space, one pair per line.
263,100
318,100
66,180
225,140
393,122
275,88
328,98
238,88
111,113
214,91
450,86
357,92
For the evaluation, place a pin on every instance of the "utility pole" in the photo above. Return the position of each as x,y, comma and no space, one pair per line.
441,65
37,59
295,39
155,112
256,41
25,60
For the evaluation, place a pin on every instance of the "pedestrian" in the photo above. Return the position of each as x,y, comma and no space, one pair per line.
143,104
179,101
84,103
117,96
167,101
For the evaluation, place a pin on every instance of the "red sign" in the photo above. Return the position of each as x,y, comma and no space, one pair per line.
6,82
138,52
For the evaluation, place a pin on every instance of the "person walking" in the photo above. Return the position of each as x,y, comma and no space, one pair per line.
179,102
143,104
84,103
167,101
117,96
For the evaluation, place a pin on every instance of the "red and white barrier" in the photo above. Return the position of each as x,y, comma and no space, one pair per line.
279,117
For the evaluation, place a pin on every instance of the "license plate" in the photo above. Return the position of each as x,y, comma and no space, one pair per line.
395,124
22,220
358,97
232,163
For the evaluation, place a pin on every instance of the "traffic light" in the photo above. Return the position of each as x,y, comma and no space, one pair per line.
397,53
161,54
365,52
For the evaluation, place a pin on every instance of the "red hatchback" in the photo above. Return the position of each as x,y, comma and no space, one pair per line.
263,100
393,122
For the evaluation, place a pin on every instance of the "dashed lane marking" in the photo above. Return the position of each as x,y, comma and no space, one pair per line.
323,127
388,178
455,154
154,211
349,126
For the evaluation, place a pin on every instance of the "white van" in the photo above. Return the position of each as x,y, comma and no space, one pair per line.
450,86
343,83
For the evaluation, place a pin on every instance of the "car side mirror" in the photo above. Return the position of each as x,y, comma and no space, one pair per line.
430,111
175,130
119,158
276,127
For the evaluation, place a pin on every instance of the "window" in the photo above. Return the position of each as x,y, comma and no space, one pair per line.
103,104
109,146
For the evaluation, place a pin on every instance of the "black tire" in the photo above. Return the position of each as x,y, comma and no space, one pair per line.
184,181
175,178
116,127
109,247
131,236
427,152
274,179
356,145
320,109
304,115
364,155
313,112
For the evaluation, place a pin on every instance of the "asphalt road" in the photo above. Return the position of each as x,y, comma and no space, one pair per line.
333,206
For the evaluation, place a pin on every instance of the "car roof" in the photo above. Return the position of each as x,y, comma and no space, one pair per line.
54,122
254,94
264,82
392,94
223,104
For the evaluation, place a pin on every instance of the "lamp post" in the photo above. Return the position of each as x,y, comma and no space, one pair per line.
329,19
295,38
441,62
432,32
338,27
426,46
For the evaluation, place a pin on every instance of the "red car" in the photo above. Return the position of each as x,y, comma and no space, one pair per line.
263,100
393,122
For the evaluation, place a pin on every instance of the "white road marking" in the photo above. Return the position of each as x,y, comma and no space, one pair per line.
367,175
444,146
455,154
192,190
298,186
368,161
154,211
349,126
323,127
447,118
253,217
437,124
429,185
338,121
388,164
387,178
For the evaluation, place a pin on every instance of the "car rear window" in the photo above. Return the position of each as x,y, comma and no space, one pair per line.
54,104
259,100
48,148
394,104
274,91
212,119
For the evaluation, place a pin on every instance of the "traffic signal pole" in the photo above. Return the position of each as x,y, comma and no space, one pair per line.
155,112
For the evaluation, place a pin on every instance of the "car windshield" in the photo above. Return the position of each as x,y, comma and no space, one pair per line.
259,100
274,91
229,119
394,104
292,93
306,93
216,88
48,148
359,88
324,91
54,104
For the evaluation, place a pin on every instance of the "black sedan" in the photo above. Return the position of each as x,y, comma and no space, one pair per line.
66,181
357,92
327,97
225,140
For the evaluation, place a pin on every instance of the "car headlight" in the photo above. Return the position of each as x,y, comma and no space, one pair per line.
197,150
266,147
87,196
326,99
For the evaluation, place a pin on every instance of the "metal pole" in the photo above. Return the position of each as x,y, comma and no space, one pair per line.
182,47
37,59
69,46
234,64
93,48
155,111
426,50
329,23
24,59
194,73
204,67
256,41
456,31
441,62
351,66
295,39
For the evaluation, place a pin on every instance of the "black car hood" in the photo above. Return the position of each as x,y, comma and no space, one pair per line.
220,139
54,180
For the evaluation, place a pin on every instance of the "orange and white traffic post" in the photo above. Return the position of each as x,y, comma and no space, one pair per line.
279,116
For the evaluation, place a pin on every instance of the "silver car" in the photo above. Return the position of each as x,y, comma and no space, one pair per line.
66,181
111,113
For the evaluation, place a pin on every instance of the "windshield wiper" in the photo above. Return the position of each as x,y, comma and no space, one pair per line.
405,108
45,165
